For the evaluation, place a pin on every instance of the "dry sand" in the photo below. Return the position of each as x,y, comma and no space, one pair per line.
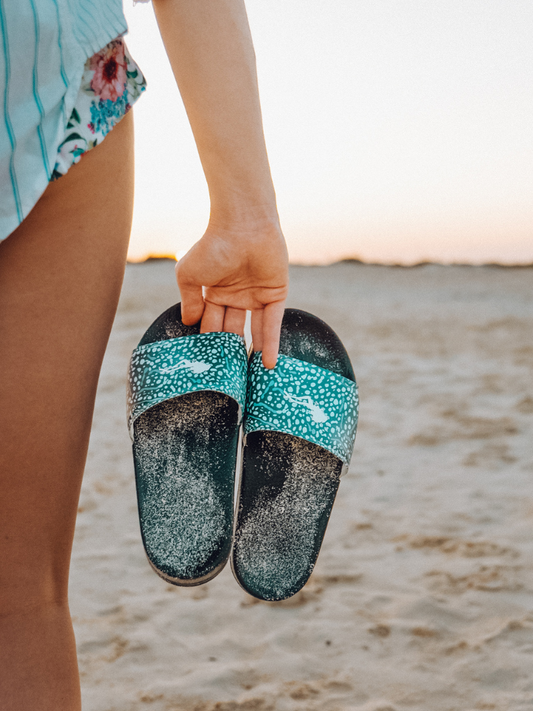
423,593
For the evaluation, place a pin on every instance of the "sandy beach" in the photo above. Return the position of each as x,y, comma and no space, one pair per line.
423,594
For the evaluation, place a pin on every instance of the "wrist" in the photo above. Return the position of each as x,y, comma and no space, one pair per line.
245,218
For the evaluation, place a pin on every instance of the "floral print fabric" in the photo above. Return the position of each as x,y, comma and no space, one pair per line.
110,85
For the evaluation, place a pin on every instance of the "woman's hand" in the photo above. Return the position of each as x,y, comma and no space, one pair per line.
241,268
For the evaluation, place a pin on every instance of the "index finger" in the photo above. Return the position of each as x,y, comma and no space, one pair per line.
272,319
192,300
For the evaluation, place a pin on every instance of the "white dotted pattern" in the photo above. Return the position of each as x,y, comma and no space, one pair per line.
304,400
165,369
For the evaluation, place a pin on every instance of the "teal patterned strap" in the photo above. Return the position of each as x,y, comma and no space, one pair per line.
165,369
304,400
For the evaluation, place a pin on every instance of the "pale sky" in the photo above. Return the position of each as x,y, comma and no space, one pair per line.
397,130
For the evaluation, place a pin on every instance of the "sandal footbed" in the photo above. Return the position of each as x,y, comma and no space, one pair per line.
288,485
185,454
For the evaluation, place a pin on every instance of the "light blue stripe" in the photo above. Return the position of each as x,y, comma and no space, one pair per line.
11,134
90,24
60,45
118,15
96,22
36,91
109,16
78,32
84,36
113,16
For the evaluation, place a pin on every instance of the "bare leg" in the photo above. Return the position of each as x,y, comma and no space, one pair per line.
60,278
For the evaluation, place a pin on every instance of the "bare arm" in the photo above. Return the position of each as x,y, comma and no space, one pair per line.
242,258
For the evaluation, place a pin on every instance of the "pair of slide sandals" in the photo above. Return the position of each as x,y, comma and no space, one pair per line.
187,396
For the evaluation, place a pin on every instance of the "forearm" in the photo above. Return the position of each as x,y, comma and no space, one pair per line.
210,49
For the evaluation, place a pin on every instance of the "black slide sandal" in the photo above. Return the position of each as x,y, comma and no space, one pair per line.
186,396
299,428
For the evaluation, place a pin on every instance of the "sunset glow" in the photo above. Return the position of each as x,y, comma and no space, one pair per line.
397,132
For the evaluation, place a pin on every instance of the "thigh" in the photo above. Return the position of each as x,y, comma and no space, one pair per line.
60,277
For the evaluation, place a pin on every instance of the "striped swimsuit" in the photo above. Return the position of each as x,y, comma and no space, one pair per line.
65,79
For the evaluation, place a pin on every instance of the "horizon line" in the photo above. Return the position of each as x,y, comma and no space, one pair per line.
355,261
